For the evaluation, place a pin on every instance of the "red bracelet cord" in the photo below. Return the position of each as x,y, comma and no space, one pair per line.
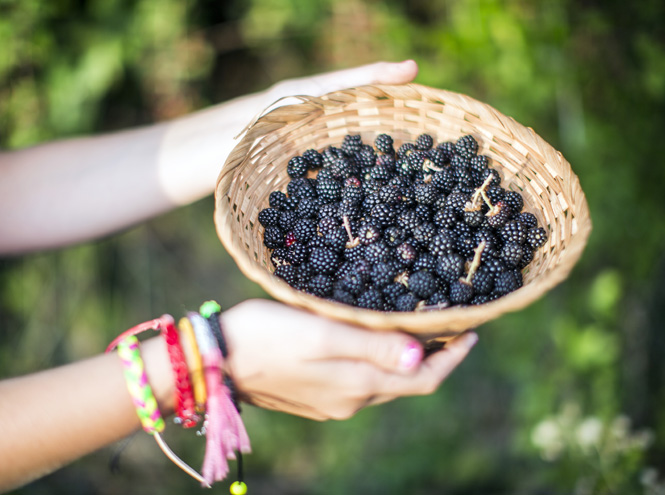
184,396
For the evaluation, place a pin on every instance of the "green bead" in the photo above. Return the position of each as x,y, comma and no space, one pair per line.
238,488
209,308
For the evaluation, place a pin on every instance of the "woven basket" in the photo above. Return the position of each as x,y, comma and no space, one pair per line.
527,164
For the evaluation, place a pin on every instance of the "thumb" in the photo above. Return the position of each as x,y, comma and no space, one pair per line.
391,351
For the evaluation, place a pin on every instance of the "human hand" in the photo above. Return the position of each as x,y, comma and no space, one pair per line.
290,360
320,84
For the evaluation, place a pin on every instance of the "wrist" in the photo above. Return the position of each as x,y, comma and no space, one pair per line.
160,373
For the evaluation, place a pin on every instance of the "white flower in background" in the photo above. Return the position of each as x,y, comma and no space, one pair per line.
547,437
589,433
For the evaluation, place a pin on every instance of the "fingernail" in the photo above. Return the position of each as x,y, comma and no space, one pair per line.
411,356
470,339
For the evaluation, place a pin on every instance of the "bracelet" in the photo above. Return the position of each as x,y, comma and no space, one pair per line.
143,398
184,398
225,431
138,386
193,358
211,311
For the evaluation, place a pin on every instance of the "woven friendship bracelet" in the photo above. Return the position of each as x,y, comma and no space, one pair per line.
138,386
193,357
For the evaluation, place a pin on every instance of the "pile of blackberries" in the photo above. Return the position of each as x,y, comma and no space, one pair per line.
422,227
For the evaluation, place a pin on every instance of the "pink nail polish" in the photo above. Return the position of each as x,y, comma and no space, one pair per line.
411,356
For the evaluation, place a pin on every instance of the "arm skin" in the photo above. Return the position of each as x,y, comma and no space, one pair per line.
74,190
53,417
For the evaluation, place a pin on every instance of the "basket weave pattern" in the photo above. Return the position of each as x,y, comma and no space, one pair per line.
527,164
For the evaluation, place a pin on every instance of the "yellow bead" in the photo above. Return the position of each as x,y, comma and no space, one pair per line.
238,488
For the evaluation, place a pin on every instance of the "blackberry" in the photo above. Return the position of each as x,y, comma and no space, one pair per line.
424,213
423,234
498,215
390,194
405,150
425,261
351,143
330,190
368,233
438,157
316,242
277,200
536,237
288,219
307,208
494,181
442,243
289,238
422,283
326,174
513,231
353,194
343,297
527,257
496,194
425,193
393,236
371,299
287,273
460,292
479,164
465,245
335,239
273,237
382,274
474,218
384,143
446,217
479,299
466,146
383,214
327,224
324,260
447,149
320,285
408,196
352,282
387,161
416,160
457,201
505,283
406,302
439,299
377,252
278,256
450,267
392,291
528,219
313,158
405,253
408,220
515,201
483,281
512,253
296,254
297,167
348,210
354,253
304,230
424,142
364,158
301,188
343,168
380,173
269,217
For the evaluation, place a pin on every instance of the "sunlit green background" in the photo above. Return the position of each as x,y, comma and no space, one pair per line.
564,397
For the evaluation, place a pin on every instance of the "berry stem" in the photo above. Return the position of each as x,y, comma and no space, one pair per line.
480,193
353,241
475,263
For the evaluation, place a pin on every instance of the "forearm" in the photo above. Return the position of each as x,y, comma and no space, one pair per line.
79,189
51,418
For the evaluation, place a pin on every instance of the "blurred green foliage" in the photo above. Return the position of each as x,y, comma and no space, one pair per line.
565,396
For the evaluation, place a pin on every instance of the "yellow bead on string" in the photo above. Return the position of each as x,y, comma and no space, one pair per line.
238,488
